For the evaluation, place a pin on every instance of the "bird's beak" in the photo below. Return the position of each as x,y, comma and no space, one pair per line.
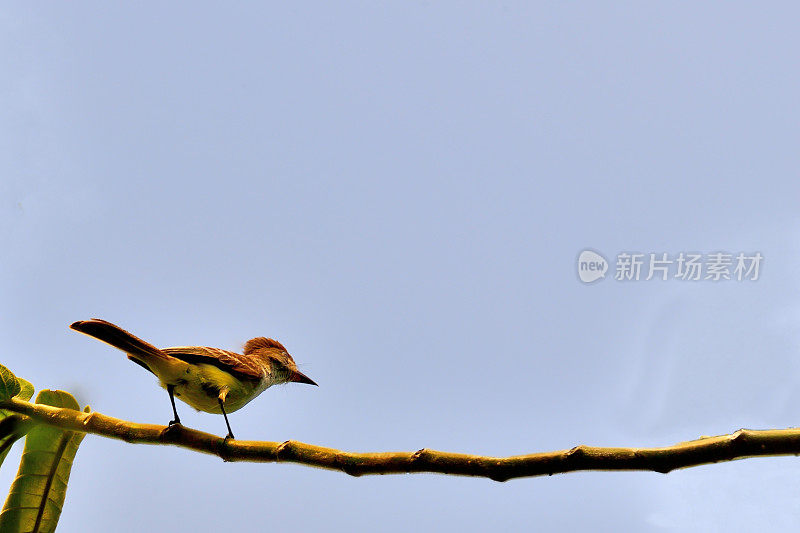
299,377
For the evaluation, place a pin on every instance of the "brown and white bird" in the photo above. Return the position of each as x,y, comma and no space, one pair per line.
209,379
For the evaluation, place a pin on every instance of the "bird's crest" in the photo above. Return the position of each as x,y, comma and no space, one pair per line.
262,342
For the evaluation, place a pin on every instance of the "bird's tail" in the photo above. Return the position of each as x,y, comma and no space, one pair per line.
138,351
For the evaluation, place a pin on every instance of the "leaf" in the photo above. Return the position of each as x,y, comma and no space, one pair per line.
12,428
26,390
9,425
37,495
16,426
9,385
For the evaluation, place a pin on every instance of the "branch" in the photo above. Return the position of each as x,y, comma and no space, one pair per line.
741,444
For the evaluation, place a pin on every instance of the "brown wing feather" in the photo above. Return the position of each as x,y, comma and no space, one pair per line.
239,365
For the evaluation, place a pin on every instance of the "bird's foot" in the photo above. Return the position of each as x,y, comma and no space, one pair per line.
224,451
177,421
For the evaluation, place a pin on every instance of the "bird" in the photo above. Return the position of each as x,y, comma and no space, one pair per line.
209,379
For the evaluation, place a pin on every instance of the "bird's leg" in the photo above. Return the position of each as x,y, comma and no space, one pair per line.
230,432
170,390
221,398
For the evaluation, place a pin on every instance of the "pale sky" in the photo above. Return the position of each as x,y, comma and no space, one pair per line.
399,193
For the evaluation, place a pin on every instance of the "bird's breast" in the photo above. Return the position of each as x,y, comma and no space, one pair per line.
200,384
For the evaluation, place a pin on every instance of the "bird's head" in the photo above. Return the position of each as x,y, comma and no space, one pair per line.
282,366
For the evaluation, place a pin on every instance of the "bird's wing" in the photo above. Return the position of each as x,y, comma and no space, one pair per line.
239,365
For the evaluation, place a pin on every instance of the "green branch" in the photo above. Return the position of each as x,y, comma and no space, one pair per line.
741,444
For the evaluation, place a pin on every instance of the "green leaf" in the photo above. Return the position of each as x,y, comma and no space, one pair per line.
26,390
9,385
57,398
12,428
9,425
18,425
37,495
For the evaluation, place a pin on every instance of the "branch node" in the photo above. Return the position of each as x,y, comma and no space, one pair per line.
346,465
282,446
576,452
739,436
496,474
87,420
418,454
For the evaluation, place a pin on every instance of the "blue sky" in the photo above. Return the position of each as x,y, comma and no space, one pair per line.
399,192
